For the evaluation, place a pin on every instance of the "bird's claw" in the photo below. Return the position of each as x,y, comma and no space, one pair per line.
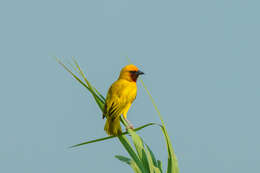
130,126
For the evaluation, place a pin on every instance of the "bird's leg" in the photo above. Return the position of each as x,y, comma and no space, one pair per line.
130,125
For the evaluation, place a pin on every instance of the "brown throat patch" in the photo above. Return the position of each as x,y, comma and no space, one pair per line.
134,76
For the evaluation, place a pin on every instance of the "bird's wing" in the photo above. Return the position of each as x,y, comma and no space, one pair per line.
116,100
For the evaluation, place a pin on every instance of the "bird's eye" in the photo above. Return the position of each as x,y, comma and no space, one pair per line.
133,72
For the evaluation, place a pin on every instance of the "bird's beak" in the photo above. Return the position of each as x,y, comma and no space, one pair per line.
139,72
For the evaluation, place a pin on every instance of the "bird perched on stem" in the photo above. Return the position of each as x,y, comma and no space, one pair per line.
119,98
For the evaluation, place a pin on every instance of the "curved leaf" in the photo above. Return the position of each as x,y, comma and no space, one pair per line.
129,162
124,141
110,137
172,160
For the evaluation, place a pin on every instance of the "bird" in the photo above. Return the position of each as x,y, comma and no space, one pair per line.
120,96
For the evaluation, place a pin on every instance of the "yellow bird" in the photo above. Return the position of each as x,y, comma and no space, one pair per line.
119,98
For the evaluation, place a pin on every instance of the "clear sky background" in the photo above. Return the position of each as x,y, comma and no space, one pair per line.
201,60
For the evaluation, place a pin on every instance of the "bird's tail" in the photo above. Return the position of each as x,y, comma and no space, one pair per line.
112,126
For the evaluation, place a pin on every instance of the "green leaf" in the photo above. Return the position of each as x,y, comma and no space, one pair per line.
159,163
110,137
68,70
152,155
153,102
152,161
157,170
98,100
123,159
100,95
92,141
138,143
129,162
172,160
124,141
152,167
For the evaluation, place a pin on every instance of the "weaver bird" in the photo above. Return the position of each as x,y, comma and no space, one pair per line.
119,98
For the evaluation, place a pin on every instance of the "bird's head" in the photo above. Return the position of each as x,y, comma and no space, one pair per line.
130,73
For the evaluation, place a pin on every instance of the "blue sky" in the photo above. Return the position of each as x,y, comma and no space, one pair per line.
201,60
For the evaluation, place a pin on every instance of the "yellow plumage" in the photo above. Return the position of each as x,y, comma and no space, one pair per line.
119,98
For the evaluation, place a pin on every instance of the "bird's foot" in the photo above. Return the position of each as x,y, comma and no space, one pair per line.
130,126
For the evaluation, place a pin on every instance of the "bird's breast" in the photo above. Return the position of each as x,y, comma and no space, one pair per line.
127,91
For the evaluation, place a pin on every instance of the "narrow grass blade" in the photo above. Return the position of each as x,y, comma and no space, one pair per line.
92,90
78,69
110,137
139,146
150,152
172,160
123,159
172,166
153,102
68,70
100,95
152,161
98,100
93,141
83,75
159,163
124,141
129,162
